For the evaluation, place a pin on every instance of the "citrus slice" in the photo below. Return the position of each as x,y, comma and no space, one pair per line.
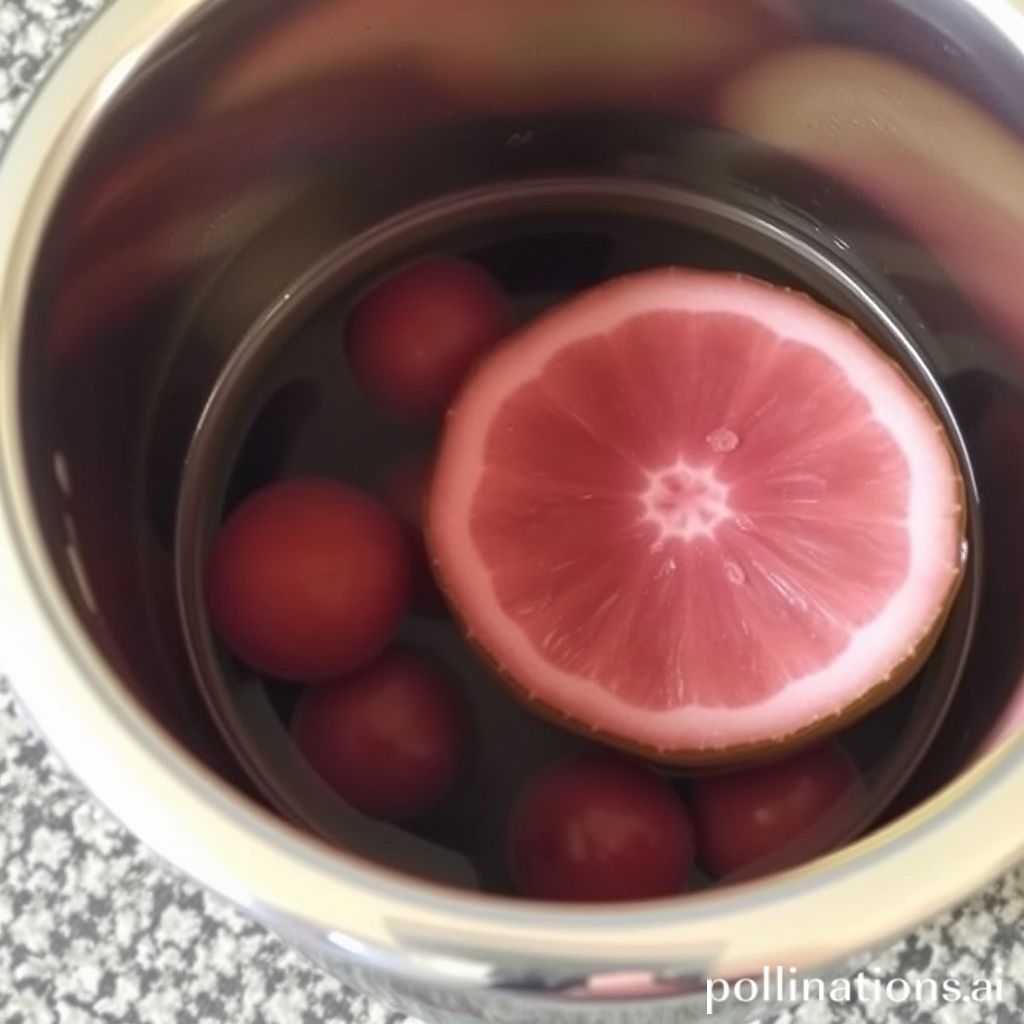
697,515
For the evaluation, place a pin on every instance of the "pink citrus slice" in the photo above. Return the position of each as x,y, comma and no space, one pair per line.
697,516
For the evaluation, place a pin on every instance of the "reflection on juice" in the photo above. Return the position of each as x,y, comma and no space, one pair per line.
510,55
932,161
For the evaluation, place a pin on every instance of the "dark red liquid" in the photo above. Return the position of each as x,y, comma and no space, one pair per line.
306,415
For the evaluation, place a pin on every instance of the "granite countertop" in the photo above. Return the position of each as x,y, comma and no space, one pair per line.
94,929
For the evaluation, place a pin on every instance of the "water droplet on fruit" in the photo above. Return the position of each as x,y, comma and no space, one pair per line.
734,573
744,523
723,440
666,569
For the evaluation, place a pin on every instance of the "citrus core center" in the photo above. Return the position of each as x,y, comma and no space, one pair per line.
686,501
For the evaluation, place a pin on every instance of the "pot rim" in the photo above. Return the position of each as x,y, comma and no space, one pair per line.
855,899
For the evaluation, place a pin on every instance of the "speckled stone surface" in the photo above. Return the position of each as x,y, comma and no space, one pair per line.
93,929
